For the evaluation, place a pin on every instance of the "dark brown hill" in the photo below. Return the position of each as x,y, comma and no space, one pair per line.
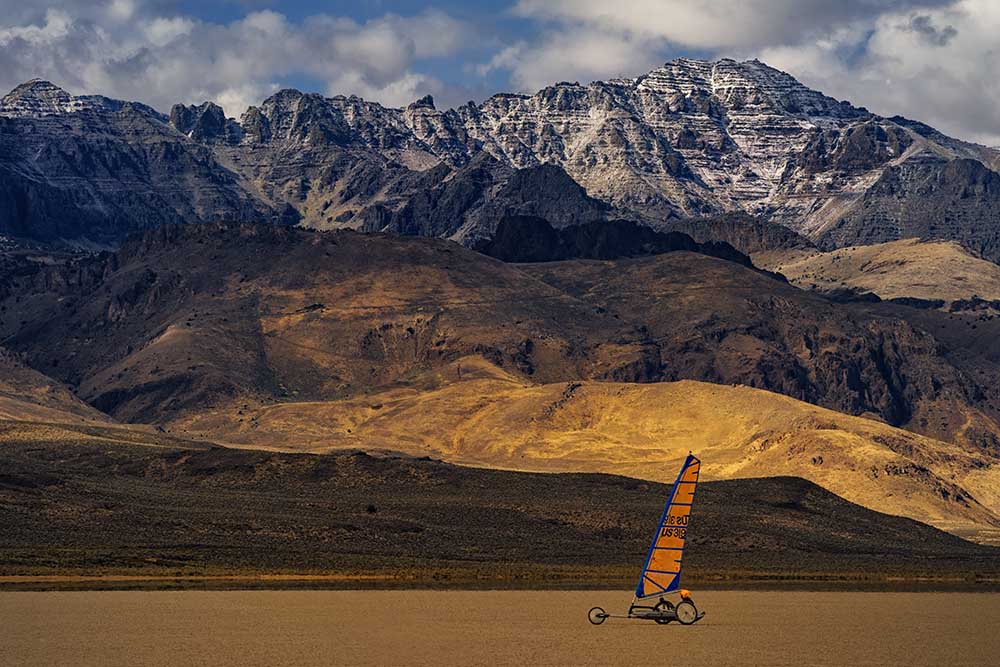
970,342
748,234
26,394
522,238
467,204
92,506
194,316
185,317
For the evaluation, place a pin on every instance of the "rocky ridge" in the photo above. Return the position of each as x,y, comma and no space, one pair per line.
689,139
38,98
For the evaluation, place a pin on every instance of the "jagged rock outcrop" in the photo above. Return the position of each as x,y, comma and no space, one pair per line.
206,123
690,139
38,99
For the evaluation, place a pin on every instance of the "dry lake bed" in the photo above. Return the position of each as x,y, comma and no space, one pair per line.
491,628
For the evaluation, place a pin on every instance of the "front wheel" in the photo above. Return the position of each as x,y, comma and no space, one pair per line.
686,612
597,616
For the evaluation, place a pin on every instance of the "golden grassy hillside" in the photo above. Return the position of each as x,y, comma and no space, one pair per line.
13,431
26,394
907,268
476,414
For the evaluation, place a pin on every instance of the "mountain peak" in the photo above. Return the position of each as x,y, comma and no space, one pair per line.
38,97
748,86
205,122
39,92
38,85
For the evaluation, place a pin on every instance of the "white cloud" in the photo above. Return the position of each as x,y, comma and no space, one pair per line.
55,26
129,49
939,69
582,54
395,93
121,10
714,24
237,97
431,34
161,31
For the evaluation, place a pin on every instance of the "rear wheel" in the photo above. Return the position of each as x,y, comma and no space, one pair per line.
597,616
686,612
663,607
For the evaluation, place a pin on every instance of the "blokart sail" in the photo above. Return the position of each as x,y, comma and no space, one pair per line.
662,570
661,573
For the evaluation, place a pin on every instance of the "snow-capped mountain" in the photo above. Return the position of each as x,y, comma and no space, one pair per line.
691,138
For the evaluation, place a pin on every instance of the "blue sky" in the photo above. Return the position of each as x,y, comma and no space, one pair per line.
933,60
494,21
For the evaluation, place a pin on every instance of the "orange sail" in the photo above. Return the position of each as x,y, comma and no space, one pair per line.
662,571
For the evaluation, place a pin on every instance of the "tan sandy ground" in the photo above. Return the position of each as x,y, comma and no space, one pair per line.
907,268
359,628
492,419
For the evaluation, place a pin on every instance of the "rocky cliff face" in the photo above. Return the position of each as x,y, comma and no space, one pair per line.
88,168
748,234
468,203
927,198
690,139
